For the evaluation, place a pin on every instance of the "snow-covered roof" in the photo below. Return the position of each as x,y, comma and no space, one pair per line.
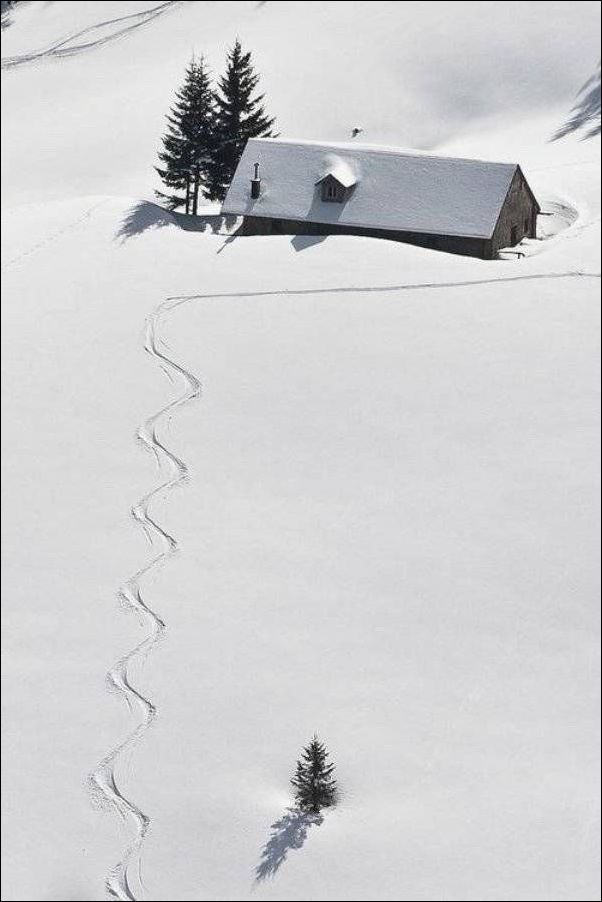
339,169
391,188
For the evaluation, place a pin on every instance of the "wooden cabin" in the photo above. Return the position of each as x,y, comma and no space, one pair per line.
470,207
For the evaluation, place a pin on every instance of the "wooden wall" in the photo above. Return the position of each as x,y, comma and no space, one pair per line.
519,212
258,225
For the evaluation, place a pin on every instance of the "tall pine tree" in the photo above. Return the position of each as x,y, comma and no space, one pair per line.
315,787
189,141
240,116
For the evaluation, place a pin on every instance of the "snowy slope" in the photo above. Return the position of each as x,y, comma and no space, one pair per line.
399,71
390,522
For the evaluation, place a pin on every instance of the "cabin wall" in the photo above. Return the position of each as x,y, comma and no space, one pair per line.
470,247
518,216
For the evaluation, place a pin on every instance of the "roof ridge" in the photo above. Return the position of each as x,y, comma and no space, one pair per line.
384,149
396,190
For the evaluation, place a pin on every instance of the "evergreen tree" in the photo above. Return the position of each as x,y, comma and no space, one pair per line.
189,141
240,116
315,787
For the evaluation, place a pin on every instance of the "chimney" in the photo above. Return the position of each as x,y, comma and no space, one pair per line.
256,183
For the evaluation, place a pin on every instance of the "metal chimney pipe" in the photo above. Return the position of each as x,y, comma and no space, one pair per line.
256,183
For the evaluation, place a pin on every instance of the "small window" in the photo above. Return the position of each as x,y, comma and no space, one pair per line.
527,224
513,235
332,192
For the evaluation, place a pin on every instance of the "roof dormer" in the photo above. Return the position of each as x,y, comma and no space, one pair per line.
332,190
337,182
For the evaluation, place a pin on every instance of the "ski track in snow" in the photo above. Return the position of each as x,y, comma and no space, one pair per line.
73,44
103,780
119,883
412,286
53,236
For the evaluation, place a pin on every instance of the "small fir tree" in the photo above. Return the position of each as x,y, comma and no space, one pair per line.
240,116
315,787
189,141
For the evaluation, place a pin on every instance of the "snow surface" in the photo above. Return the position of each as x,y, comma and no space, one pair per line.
341,170
390,526
393,189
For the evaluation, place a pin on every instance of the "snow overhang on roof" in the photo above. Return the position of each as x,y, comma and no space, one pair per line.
340,170
394,189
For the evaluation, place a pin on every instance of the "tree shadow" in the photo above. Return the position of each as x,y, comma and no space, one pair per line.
217,223
290,832
586,112
146,215
143,216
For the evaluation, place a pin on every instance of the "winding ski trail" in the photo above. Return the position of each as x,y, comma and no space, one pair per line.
120,881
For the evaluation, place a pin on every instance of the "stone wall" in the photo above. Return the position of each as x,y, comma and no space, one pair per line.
518,216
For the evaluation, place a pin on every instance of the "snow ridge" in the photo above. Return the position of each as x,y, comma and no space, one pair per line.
119,882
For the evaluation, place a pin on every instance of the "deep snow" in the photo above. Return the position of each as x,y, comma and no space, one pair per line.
390,527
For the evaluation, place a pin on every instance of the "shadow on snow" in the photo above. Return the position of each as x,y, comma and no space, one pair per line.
141,217
301,242
146,215
586,112
288,833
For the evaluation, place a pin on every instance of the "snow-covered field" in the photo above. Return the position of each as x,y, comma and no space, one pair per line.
389,529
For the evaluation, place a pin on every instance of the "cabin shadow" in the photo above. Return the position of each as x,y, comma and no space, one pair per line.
301,242
287,834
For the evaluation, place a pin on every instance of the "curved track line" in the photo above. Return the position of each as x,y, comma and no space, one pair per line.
67,46
410,286
119,882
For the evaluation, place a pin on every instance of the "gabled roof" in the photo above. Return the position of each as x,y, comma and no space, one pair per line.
339,170
394,189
